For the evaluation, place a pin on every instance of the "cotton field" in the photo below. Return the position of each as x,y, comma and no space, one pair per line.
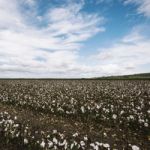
75,114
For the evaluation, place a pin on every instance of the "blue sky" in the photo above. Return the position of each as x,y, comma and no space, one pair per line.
74,38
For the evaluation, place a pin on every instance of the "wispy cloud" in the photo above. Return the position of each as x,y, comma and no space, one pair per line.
48,44
55,37
126,56
143,6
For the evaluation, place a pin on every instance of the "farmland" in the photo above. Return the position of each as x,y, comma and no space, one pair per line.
75,114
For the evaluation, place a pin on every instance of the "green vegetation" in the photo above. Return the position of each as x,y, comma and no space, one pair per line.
142,76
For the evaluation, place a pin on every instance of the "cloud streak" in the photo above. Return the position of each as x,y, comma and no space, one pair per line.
48,44
23,37
126,56
143,6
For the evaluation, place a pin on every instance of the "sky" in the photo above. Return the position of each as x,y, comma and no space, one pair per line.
74,38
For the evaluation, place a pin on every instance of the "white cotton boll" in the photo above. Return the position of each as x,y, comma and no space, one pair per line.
89,107
16,125
148,111
107,110
104,109
61,136
141,120
105,134
131,117
66,145
95,147
55,140
67,112
114,116
60,109
6,129
6,113
82,109
63,143
72,145
15,118
42,144
112,106
25,141
25,131
98,107
12,133
75,135
92,145
121,112
50,144
55,147
72,99
85,138
75,143
134,147
106,146
99,144
17,135
82,143
146,124
54,131
10,121
38,142
79,146
138,108
36,132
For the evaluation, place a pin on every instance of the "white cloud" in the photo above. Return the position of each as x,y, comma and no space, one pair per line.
143,6
76,26
47,45
30,2
127,56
